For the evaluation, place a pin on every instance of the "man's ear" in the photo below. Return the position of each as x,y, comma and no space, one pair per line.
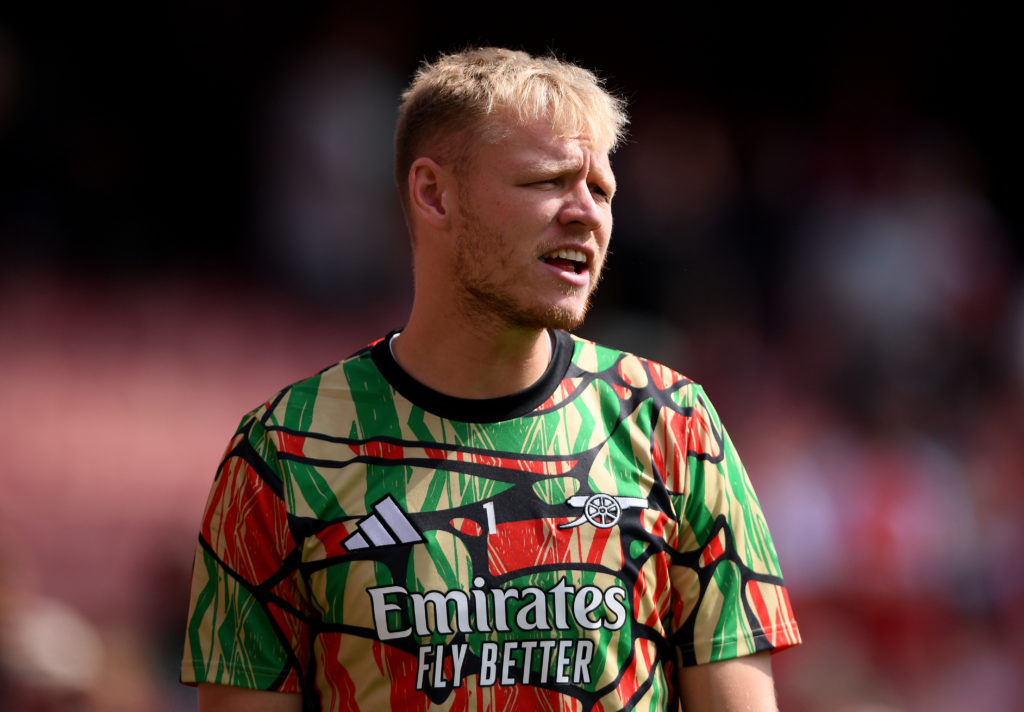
431,187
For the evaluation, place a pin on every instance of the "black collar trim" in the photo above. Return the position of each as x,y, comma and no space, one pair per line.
473,410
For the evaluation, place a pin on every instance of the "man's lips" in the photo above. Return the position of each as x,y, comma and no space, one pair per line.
567,260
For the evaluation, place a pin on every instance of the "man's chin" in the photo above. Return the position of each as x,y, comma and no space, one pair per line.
554,316
518,316
565,319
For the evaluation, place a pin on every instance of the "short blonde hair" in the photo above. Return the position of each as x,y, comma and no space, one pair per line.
449,103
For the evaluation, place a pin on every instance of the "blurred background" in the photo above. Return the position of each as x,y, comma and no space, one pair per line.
816,220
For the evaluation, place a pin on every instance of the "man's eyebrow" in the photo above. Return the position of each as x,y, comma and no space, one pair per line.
550,165
564,165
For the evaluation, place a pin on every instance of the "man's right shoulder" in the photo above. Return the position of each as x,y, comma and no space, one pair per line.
338,387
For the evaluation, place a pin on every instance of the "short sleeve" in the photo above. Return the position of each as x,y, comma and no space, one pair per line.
246,625
725,574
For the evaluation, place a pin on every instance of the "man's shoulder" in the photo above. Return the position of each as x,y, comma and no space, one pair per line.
633,369
354,379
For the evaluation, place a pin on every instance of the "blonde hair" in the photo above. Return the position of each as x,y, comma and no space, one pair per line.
452,102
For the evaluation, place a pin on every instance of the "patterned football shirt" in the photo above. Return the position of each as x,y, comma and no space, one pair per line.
375,544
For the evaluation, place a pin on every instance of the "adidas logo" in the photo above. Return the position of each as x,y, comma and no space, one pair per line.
386,525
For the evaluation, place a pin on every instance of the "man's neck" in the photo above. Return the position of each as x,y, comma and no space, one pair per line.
473,363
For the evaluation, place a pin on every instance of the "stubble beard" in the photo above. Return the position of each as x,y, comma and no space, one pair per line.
489,296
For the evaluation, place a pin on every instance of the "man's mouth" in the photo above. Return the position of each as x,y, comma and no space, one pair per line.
569,260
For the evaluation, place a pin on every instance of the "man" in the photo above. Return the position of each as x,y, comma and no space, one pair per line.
481,510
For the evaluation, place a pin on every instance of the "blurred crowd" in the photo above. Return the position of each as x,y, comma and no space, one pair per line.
855,310
841,282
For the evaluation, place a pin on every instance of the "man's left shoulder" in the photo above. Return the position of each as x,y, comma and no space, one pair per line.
631,368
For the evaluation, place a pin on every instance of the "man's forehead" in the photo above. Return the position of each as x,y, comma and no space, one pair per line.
542,141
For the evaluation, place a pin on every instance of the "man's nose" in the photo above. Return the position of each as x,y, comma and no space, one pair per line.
581,207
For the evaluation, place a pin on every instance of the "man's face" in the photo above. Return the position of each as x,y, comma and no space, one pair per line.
532,227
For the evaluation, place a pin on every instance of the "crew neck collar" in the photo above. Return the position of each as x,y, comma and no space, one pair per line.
476,410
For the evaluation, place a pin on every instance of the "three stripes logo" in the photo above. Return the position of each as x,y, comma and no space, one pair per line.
386,525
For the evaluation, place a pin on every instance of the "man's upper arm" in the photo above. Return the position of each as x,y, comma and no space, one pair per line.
246,622
738,685
224,698
728,573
